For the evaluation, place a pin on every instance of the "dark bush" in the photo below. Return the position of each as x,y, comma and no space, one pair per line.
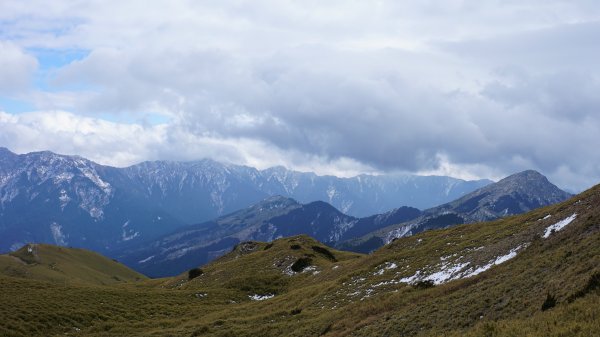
194,272
325,252
424,284
296,311
549,303
295,247
269,246
301,263
245,247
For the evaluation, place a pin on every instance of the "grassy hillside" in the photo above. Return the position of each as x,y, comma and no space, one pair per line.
61,264
510,277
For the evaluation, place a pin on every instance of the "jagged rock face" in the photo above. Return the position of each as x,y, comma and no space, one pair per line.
75,179
68,200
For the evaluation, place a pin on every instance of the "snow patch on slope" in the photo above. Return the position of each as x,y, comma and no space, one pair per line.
57,234
63,177
331,193
257,297
92,175
386,266
64,199
146,259
340,227
398,233
453,271
497,261
559,225
446,273
129,235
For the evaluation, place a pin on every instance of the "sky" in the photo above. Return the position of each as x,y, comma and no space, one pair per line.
470,89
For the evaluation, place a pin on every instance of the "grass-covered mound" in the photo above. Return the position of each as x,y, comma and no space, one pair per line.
62,264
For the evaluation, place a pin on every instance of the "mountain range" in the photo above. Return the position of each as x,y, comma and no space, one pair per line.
515,194
270,219
69,200
278,217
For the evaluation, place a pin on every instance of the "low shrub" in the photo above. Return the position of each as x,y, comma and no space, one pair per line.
424,284
301,263
325,252
194,272
549,303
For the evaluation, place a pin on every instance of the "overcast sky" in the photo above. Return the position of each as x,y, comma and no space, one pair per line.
472,89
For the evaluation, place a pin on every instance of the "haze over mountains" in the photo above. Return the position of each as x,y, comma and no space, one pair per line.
69,200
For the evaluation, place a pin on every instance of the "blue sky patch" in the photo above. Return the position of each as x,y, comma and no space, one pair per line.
14,105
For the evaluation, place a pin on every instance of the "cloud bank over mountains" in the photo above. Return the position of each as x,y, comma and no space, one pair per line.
465,88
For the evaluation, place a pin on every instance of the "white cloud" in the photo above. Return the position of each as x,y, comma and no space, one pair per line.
119,144
103,141
17,69
467,88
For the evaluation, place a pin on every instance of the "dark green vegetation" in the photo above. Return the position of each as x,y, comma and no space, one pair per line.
194,272
396,291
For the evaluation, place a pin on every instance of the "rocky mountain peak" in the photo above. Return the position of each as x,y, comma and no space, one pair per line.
529,184
527,177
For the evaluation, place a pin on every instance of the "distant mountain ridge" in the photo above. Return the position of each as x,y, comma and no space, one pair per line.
270,219
278,217
69,200
515,194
